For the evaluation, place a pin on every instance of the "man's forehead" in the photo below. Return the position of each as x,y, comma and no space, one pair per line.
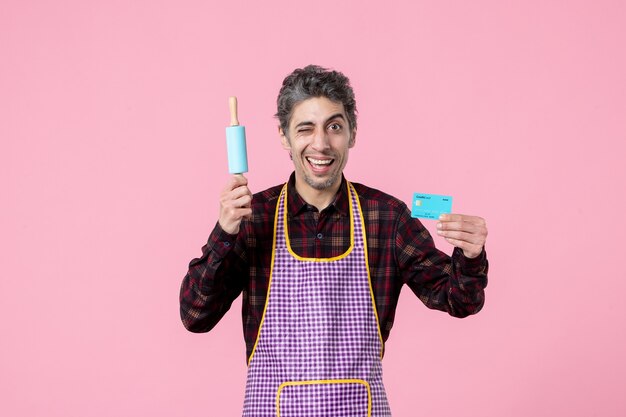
316,109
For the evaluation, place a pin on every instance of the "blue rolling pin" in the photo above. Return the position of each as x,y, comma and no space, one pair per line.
236,142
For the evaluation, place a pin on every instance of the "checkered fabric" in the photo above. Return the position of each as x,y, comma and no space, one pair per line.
319,347
324,399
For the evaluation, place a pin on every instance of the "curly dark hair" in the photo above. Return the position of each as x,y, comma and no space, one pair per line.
314,81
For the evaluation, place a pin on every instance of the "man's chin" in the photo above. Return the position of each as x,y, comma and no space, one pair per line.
321,184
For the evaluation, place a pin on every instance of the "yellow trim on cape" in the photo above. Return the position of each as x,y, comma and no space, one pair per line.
269,284
335,258
369,278
326,381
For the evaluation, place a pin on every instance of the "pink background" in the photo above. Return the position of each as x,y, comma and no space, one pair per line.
112,119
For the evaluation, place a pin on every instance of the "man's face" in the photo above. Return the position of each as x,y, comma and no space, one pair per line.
318,139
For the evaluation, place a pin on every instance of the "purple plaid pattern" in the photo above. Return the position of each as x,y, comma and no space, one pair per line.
324,400
319,329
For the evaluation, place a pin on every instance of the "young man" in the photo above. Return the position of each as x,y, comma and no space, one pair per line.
320,262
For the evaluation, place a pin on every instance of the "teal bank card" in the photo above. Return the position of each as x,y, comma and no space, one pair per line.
430,206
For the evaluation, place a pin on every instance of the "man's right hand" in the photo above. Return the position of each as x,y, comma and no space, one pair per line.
235,204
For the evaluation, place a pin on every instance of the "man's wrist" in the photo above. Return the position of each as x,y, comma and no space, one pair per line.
471,265
220,241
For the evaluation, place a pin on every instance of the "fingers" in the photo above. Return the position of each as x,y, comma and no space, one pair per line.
235,204
235,181
462,222
238,198
232,217
462,218
236,188
465,232
471,238
469,250
237,193
463,226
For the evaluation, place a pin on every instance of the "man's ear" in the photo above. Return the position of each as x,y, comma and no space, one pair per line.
284,139
352,141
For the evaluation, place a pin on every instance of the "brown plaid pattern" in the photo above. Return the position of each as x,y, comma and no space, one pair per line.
400,251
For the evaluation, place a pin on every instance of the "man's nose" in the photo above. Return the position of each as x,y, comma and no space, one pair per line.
320,141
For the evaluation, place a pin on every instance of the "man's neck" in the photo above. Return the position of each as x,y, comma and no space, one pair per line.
317,198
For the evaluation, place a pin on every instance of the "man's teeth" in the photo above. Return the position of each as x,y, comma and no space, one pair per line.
320,161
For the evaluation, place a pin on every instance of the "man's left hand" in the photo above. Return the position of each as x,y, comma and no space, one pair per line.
468,233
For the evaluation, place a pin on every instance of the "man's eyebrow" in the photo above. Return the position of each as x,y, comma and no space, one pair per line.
309,123
336,116
305,123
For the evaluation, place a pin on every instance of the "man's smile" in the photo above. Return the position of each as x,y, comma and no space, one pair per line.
320,161
320,164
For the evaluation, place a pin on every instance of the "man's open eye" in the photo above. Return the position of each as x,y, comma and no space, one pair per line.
335,127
